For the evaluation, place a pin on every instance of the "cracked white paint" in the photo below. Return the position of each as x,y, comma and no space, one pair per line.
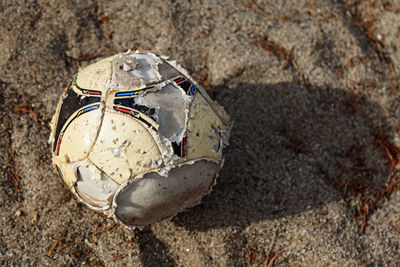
128,163
119,152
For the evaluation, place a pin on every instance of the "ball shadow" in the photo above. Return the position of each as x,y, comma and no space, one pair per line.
153,252
287,149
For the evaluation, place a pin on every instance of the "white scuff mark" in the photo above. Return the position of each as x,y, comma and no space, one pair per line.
108,84
51,138
147,67
155,163
213,132
119,152
217,148
164,172
130,65
221,145
95,173
156,114
64,96
161,85
168,151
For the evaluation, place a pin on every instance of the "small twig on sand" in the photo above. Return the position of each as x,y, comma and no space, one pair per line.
54,245
118,257
97,232
252,6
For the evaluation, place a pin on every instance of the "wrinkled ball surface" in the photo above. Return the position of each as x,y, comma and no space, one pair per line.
136,138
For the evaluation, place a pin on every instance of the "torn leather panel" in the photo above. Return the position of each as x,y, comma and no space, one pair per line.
71,103
186,86
130,103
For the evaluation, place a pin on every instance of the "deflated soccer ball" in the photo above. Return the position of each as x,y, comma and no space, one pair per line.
137,139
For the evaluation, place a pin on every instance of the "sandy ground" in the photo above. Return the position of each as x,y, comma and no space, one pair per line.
310,176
